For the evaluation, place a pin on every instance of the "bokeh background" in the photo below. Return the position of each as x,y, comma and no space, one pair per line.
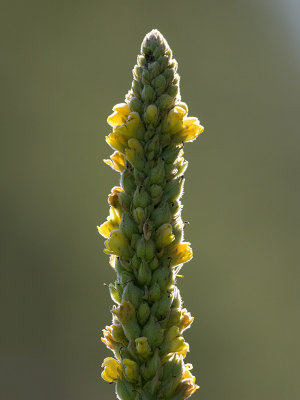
64,64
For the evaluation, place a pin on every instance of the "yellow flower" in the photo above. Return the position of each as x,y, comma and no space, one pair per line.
112,223
119,116
117,161
187,374
113,197
132,128
173,122
117,141
185,389
185,320
112,369
183,105
191,130
174,343
183,349
108,339
112,261
180,253
117,244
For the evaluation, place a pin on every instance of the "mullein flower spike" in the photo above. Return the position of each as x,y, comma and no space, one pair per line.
144,232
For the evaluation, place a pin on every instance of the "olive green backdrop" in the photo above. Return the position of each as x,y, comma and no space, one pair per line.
64,64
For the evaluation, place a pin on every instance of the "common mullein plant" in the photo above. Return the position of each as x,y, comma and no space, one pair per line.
144,233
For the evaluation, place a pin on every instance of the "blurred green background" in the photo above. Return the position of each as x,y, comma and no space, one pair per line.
64,64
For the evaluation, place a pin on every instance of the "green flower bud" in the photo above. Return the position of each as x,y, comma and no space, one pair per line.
125,263
123,275
174,65
141,60
136,105
177,229
154,263
135,262
143,313
163,61
153,144
141,198
137,87
154,293
163,306
174,171
175,207
141,248
173,190
159,82
161,215
115,292
157,174
150,155
134,239
156,191
176,299
148,94
128,182
169,74
172,374
150,250
164,236
153,332
164,101
173,90
170,155
128,226
158,52
163,277
137,72
150,368
153,69
125,390
132,294
139,176
145,77
126,315
151,115
152,386
125,200
173,318
131,370
143,347
144,274
139,215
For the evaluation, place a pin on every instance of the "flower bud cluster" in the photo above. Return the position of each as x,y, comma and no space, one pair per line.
144,232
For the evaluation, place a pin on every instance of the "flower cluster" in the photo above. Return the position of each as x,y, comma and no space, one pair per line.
144,232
